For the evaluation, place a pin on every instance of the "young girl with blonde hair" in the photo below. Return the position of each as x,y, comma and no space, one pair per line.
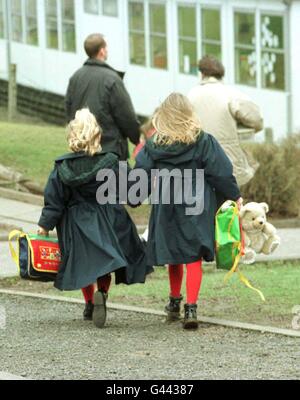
175,237
95,240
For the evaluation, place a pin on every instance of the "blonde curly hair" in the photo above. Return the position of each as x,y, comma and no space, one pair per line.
84,133
176,121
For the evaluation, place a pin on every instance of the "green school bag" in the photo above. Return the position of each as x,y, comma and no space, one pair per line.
229,242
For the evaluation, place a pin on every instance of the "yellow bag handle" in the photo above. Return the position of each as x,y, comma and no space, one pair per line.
242,277
15,234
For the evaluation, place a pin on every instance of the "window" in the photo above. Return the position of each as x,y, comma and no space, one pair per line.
91,6
68,25
31,22
107,7
60,25
110,8
245,48
211,33
51,24
16,21
187,40
137,33
155,36
158,36
2,29
272,52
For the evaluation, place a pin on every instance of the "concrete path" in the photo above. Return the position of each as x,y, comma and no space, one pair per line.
20,214
7,267
5,376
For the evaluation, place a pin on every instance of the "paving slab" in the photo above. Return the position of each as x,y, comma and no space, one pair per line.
6,376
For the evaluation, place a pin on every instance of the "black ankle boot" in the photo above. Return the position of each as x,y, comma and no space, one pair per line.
88,311
173,308
99,314
190,316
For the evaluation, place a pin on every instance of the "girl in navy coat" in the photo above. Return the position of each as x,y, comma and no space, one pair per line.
95,240
176,238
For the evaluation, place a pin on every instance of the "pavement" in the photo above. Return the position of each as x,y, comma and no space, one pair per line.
20,215
25,216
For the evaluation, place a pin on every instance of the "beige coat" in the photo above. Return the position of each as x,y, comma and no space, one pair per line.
222,109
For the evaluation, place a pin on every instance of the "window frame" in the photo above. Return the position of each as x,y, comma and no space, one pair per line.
282,51
187,38
100,6
199,30
147,33
258,13
253,47
26,17
91,13
65,21
59,24
137,32
110,15
2,15
152,34
51,18
213,42
22,18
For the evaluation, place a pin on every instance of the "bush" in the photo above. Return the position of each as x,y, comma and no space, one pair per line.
277,180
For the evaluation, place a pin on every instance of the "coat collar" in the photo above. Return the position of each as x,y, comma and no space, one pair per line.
211,79
79,170
102,64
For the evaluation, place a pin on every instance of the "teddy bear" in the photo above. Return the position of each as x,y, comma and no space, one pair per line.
259,235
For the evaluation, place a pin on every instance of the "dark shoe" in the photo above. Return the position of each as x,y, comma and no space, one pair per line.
88,311
173,308
190,316
99,314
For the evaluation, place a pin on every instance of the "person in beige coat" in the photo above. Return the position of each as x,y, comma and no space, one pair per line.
226,113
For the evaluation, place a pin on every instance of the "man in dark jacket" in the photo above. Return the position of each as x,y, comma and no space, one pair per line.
100,88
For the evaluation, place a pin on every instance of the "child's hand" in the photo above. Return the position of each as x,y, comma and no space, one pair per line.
42,232
239,202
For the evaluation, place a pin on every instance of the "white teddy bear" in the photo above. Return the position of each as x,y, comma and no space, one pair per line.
259,235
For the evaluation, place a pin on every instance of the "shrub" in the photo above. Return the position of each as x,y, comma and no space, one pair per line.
277,180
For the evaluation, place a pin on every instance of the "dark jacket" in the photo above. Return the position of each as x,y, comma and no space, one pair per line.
174,236
100,88
94,239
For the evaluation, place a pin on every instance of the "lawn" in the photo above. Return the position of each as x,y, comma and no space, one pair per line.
31,149
280,284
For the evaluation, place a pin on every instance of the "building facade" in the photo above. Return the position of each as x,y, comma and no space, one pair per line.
159,42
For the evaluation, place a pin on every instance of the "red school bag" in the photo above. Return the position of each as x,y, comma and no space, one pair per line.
37,257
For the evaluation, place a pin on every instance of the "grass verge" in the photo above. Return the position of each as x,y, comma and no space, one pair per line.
279,282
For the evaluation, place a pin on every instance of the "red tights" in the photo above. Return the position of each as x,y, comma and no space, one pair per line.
103,284
193,280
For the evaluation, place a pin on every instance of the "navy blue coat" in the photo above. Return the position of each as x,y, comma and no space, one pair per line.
94,239
174,236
